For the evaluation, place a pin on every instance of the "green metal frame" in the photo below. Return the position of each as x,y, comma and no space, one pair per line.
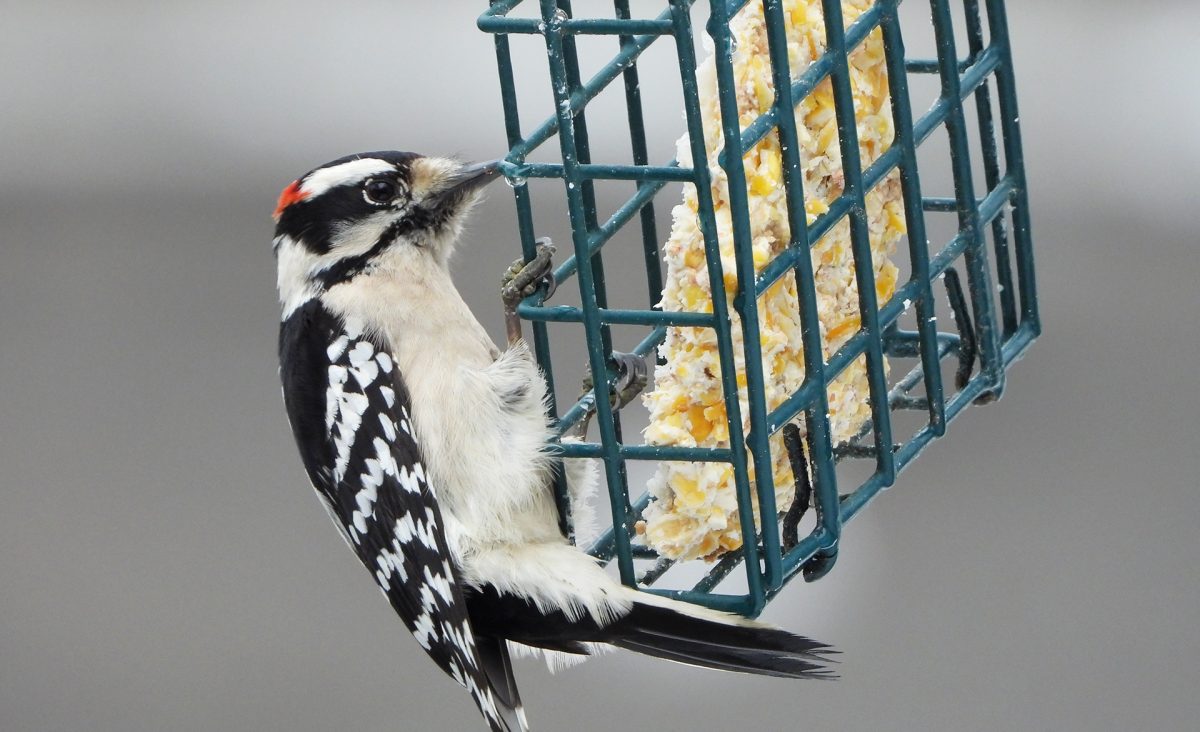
1005,308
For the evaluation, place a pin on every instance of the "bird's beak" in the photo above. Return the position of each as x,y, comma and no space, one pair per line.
471,177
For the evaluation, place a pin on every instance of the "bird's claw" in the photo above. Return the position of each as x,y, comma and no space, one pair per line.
632,375
523,279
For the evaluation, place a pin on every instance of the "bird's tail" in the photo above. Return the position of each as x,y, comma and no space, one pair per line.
496,664
679,632
554,597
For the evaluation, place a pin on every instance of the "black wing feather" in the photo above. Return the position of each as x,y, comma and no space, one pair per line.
349,412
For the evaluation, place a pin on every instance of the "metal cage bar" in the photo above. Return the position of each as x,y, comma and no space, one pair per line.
910,185
703,180
864,270
1005,322
641,159
731,160
824,477
582,210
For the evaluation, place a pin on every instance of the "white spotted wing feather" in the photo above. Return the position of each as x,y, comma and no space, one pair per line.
349,410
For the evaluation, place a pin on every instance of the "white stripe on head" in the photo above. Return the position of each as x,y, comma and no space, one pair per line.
294,264
323,179
297,265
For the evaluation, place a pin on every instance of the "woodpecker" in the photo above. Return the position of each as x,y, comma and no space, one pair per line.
427,443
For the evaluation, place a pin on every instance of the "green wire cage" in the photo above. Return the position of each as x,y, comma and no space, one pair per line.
990,327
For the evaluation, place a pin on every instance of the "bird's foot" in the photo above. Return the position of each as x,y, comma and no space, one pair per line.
523,279
632,375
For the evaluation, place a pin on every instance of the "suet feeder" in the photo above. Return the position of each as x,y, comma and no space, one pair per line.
934,369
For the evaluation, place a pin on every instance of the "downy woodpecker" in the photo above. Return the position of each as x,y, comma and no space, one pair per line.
426,443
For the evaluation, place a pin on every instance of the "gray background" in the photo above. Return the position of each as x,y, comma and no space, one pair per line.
164,565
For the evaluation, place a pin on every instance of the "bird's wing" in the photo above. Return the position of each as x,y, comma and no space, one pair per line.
350,414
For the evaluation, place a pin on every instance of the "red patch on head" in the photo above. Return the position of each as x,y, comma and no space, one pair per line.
291,194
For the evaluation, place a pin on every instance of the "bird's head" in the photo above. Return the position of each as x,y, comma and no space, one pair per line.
356,213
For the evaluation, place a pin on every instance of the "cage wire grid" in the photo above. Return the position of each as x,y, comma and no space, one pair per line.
1005,317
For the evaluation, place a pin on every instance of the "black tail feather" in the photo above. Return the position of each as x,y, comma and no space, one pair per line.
669,634
672,633
494,659
760,664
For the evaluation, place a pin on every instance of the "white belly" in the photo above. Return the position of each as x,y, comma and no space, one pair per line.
481,426
483,448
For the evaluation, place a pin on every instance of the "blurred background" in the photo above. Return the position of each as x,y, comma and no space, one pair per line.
164,564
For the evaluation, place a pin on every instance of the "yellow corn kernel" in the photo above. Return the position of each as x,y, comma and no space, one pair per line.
773,160
799,14
701,427
761,185
687,490
885,282
715,413
823,97
769,176
843,330
895,218
708,546
763,93
828,136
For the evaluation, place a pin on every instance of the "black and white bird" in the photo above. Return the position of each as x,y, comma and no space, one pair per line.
427,443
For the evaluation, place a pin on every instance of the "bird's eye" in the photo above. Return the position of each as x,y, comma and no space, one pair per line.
380,191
